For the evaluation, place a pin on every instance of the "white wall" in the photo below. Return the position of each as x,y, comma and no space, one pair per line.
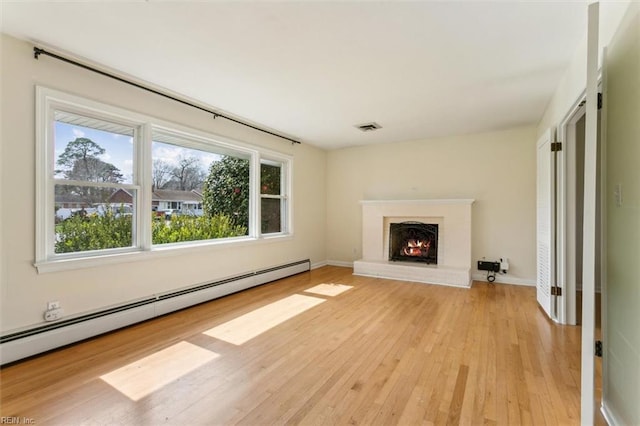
25,292
496,169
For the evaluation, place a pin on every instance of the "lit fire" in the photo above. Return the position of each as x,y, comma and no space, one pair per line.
416,248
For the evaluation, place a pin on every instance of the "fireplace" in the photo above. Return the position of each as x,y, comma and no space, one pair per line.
451,265
413,242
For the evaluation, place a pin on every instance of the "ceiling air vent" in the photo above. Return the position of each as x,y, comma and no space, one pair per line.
368,127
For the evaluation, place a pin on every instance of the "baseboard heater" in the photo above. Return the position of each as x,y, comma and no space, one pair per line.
22,344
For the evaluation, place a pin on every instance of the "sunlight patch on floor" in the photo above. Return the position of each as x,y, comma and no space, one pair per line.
147,375
256,322
329,289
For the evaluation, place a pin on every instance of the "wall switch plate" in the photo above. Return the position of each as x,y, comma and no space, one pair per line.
618,194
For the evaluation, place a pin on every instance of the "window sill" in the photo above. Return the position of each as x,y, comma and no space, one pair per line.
156,252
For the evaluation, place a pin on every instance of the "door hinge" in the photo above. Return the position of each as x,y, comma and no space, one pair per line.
599,348
599,100
584,101
556,291
556,146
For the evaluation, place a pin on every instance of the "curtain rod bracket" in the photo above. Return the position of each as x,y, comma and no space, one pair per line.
37,52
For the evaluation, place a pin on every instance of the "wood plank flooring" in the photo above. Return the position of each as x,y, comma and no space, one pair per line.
380,353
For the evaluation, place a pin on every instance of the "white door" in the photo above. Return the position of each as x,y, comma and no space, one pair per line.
545,222
587,405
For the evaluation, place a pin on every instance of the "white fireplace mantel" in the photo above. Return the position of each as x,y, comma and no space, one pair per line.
453,217
436,201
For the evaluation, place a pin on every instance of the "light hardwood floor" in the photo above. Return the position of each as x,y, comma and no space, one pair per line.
382,352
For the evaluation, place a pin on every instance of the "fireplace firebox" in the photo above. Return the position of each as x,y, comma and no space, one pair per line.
413,242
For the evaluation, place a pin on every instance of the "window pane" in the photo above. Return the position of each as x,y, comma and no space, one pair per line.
270,179
92,150
197,194
199,187
271,215
92,218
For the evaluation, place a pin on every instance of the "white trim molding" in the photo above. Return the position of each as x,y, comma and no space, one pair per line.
436,202
505,279
341,263
609,416
317,265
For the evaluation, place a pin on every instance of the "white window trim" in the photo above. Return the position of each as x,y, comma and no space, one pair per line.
48,100
285,192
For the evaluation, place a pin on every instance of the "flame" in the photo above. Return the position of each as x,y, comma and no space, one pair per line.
418,243
416,247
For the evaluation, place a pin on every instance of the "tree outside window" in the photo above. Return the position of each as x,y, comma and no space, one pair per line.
90,184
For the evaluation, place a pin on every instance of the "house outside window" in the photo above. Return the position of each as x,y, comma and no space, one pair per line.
111,181
85,177
184,171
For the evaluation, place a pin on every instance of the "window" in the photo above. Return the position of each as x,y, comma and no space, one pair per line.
114,182
206,191
92,164
272,197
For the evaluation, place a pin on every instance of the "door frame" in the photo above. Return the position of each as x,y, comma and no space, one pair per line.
595,156
603,231
566,206
566,211
587,370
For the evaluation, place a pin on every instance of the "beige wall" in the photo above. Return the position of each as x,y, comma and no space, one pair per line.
622,325
497,169
25,292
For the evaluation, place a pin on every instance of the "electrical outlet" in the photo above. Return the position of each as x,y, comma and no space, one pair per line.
53,305
504,265
53,314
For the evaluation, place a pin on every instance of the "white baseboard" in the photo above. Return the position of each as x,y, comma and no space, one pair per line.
318,265
479,276
505,279
415,272
45,341
340,263
18,345
609,416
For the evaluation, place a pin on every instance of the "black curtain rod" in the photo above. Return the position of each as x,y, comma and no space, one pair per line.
38,51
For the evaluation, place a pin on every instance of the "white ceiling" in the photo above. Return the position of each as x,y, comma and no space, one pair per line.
313,70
